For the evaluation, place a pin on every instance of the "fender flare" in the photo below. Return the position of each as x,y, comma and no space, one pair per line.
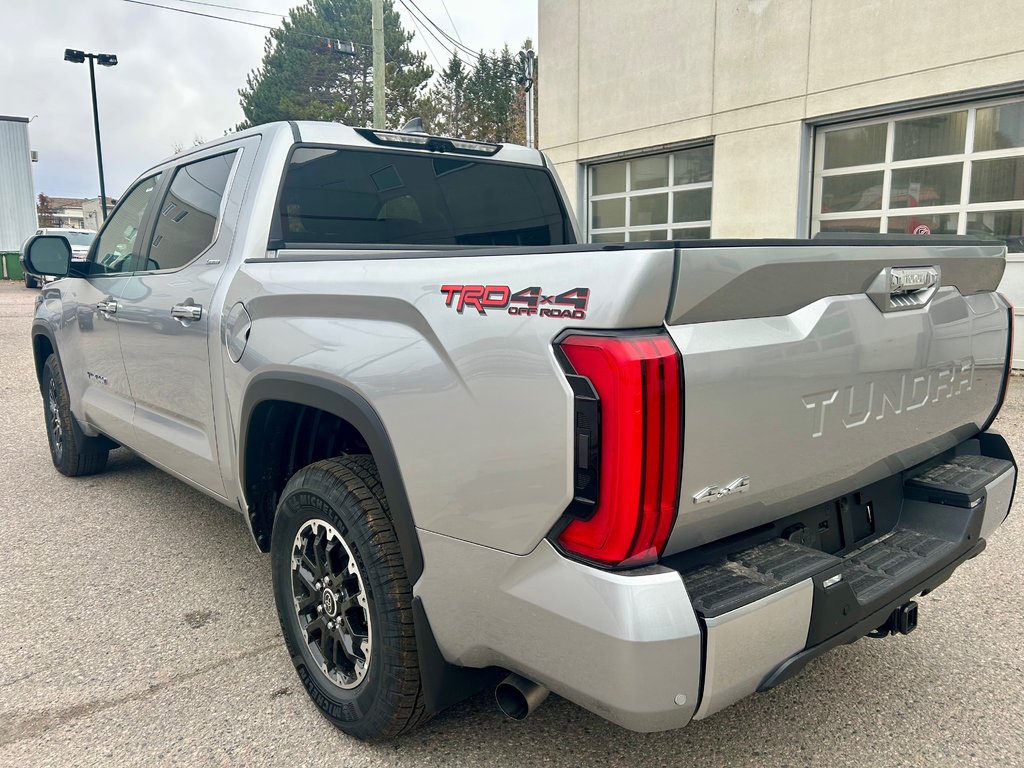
42,328
330,396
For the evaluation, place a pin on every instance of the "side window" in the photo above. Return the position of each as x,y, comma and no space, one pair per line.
113,251
187,220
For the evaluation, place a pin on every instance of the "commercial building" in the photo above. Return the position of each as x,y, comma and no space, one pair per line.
17,194
785,118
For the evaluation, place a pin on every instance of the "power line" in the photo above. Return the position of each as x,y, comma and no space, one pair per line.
454,28
238,21
204,15
234,8
426,42
457,43
444,46
469,68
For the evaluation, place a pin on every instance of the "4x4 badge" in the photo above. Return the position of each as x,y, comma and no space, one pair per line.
715,492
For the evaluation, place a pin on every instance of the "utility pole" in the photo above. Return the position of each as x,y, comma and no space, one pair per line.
378,63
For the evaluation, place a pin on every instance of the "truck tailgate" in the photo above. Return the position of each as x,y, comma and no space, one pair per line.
811,371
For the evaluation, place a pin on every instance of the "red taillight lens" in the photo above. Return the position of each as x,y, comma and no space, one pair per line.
639,382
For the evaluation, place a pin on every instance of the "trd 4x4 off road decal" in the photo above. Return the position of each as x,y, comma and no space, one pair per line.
527,302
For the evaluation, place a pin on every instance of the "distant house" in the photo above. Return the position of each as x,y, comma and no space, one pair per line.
72,212
92,211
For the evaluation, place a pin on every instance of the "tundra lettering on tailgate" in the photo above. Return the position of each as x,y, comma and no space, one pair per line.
527,302
856,404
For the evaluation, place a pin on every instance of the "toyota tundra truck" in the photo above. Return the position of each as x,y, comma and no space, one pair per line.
653,478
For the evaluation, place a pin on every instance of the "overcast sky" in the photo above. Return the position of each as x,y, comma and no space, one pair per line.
177,77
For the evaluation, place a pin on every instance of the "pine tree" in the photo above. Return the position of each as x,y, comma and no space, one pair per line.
492,93
444,110
303,76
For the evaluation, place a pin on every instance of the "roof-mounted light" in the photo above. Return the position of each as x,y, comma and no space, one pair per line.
431,143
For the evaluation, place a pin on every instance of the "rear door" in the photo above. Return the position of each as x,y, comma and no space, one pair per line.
165,316
89,346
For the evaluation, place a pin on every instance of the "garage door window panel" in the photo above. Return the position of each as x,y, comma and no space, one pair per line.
608,179
648,209
852,192
609,213
918,224
926,186
999,127
855,146
1008,225
997,180
930,136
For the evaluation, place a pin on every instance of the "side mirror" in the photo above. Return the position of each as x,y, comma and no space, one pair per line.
48,255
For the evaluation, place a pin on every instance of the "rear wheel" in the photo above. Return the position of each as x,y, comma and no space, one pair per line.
30,282
73,453
344,599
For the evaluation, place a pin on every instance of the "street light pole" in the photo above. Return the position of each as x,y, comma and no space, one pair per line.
99,144
105,60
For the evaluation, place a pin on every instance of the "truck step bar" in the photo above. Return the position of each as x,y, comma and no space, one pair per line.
918,543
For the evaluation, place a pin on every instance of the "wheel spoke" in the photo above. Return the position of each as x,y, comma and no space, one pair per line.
347,602
307,604
315,630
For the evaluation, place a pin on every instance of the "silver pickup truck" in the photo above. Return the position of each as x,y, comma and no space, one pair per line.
651,477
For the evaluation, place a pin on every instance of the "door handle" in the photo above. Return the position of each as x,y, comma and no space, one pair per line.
110,307
186,312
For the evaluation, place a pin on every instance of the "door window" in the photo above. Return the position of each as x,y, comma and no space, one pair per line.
113,251
187,222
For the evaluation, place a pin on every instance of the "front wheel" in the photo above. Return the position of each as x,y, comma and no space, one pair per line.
344,599
73,453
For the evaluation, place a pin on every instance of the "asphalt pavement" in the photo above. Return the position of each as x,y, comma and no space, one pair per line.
137,626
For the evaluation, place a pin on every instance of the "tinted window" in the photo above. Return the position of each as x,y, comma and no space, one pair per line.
188,214
113,252
354,196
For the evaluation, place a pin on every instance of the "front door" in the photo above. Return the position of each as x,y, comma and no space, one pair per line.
89,348
164,314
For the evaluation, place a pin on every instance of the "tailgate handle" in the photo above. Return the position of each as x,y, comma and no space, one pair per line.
899,288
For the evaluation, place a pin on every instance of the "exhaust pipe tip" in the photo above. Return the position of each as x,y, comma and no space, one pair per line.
517,697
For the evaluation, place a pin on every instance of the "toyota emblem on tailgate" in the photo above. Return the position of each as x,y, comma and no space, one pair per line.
910,279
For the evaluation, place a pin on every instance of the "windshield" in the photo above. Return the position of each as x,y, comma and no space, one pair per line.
349,196
79,238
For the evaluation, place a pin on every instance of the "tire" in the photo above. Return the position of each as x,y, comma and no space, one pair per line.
73,453
30,282
362,672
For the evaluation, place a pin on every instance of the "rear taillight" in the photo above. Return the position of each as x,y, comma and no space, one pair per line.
638,383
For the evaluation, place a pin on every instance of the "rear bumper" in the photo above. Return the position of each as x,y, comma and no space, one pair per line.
642,650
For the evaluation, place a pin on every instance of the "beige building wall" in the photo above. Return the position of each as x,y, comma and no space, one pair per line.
755,75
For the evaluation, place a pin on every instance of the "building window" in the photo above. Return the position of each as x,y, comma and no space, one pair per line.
657,197
957,170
